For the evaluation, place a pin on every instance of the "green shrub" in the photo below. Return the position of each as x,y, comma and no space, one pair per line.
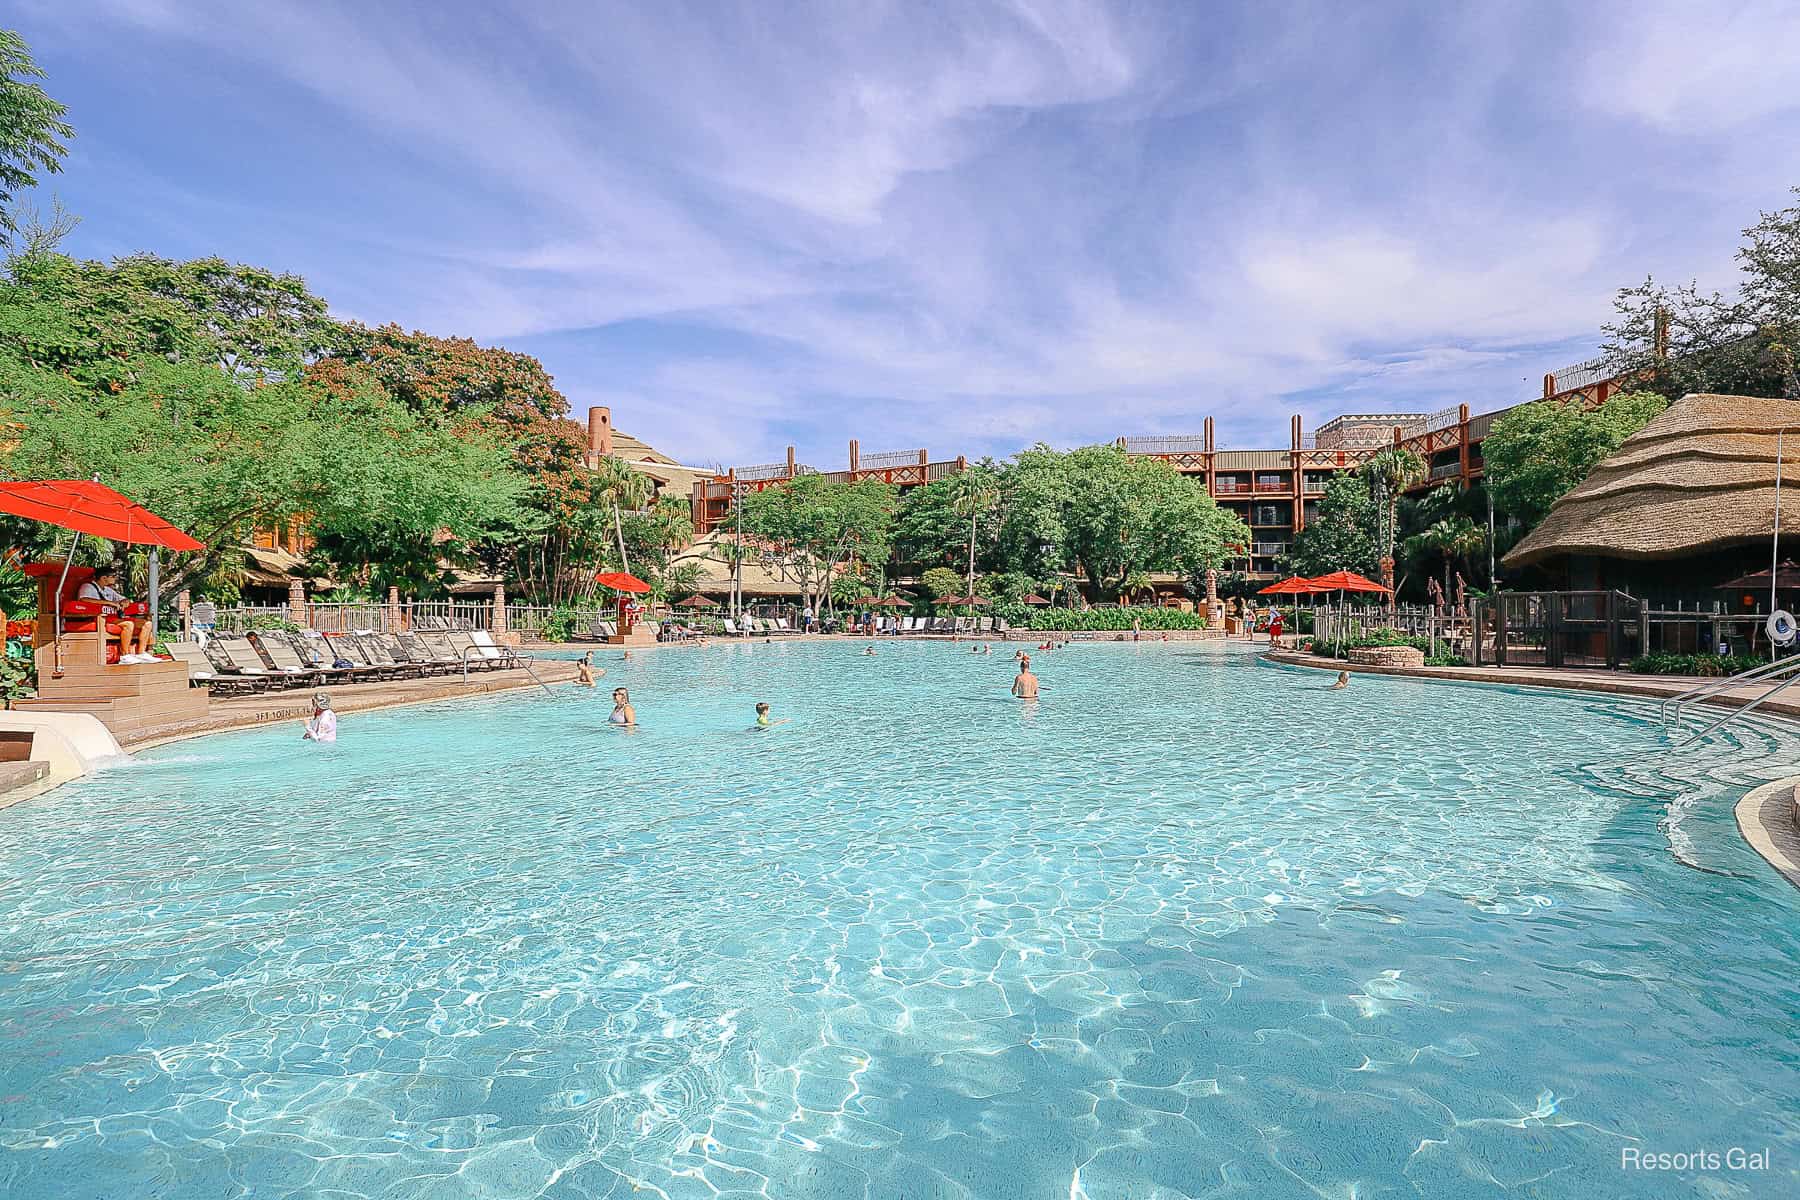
559,623
269,621
18,671
1112,620
1393,637
1717,665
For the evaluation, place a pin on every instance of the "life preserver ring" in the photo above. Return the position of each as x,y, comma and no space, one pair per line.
1781,627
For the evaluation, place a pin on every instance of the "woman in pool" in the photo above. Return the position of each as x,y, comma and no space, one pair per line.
1343,681
322,727
584,670
623,715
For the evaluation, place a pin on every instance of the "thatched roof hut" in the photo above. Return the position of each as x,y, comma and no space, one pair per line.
1698,480
712,554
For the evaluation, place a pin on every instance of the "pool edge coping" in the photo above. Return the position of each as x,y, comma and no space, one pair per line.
1768,818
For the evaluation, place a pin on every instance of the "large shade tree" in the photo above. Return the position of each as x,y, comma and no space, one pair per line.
810,530
1105,513
1673,340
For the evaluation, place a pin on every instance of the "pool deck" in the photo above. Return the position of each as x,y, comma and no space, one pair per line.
1768,817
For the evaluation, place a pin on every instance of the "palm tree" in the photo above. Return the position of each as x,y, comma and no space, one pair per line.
624,488
1453,537
1136,582
973,492
1391,472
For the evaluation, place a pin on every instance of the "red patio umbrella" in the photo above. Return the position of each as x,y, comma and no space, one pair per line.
89,506
619,581
1345,581
1290,587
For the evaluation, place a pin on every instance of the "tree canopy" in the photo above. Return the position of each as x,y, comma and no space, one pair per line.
1099,510
810,530
32,128
1742,343
1345,535
1537,452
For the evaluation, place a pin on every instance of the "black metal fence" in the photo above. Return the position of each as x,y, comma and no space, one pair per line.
1601,629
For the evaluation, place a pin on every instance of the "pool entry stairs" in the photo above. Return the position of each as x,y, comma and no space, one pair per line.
1779,675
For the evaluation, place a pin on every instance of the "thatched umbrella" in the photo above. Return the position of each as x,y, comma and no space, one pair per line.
697,602
1033,599
1787,578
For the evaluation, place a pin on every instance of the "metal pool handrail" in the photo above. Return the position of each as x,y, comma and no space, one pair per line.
1670,709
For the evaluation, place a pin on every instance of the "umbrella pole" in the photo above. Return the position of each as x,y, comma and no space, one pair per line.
155,585
62,582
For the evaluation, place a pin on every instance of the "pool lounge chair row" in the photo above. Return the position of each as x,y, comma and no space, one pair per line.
273,660
759,627
975,625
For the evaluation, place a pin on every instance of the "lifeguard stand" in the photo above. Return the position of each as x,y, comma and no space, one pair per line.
80,671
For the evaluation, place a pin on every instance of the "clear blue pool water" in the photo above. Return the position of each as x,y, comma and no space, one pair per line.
1191,926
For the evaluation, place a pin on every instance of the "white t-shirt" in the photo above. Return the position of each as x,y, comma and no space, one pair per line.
93,591
323,727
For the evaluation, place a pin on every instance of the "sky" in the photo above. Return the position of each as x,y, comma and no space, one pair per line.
964,227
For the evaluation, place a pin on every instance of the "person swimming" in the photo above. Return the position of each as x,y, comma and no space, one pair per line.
584,670
869,653
623,714
763,720
1025,684
1343,681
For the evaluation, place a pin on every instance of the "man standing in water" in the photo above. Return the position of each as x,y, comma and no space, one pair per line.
1025,684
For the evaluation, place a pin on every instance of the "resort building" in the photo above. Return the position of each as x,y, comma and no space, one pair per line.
1275,491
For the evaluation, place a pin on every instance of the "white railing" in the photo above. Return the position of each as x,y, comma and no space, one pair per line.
886,459
1176,444
1443,418
763,471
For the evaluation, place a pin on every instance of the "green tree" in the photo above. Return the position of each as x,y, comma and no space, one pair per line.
1453,538
1343,536
940,583
656,531
31,125
810,529
1537,452
624,488
1681,339
974,492
1107,513
1390,473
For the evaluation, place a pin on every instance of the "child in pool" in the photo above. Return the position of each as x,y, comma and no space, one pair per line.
762,717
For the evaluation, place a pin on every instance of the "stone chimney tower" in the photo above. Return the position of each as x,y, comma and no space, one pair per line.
600,443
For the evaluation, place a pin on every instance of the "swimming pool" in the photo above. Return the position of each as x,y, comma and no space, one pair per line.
1192,926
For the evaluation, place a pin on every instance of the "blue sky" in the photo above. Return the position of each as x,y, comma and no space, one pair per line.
966,227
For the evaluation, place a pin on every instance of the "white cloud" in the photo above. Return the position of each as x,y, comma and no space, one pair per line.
990,223
1699,69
